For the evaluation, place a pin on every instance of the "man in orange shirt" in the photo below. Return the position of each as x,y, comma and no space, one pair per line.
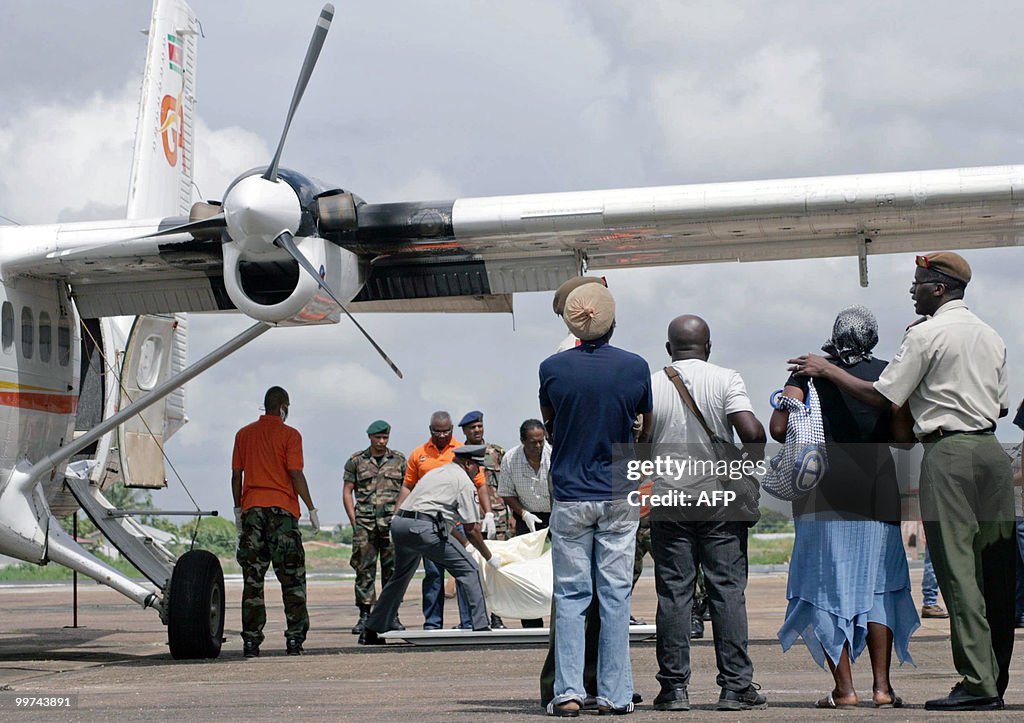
439,451
266,482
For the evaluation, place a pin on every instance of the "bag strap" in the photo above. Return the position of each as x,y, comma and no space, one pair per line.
673,374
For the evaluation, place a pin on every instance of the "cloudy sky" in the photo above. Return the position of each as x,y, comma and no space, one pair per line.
432,100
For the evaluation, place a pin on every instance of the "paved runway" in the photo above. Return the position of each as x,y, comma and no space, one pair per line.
117,665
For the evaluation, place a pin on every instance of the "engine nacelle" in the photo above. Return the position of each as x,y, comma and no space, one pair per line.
271,287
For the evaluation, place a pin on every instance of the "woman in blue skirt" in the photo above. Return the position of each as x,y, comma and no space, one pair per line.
849,586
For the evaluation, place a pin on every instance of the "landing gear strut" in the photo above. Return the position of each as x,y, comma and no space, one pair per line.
195,620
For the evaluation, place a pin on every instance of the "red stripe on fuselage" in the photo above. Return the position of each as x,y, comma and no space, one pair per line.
55,403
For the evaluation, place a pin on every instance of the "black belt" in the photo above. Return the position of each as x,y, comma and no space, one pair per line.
941,433
417,515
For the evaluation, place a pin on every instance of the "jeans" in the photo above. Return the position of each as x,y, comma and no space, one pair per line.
592,546
720,550
929,585
433,598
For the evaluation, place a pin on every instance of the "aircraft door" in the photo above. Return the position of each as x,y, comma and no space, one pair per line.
156,349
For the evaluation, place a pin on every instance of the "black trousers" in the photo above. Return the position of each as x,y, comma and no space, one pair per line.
720,548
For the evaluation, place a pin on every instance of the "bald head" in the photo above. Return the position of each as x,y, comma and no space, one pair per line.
689,337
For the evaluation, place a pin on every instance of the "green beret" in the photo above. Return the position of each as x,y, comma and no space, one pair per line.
379,427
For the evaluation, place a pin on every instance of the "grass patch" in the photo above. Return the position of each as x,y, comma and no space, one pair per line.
27,572
769,552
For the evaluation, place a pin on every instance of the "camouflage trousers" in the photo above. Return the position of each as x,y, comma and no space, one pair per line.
504,524
271,535
643,547
370,541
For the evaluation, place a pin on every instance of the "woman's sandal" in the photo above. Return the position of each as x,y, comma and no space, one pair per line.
829,702
894,700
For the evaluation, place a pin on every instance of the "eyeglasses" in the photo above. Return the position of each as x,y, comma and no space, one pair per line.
915,284
441,432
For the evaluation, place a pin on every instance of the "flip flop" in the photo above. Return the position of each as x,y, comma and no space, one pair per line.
830,703
568,709
894,701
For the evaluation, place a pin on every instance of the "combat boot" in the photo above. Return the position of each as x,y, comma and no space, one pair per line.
293,646
250,649
364,613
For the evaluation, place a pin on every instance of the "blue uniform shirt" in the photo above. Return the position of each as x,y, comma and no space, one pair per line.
596,391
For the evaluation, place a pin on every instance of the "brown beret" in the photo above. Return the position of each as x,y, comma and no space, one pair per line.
948,263
558,303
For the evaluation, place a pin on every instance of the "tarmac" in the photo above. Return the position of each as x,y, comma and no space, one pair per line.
115,666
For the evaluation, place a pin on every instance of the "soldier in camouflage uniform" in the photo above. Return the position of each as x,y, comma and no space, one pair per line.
266,483
373,478
472,424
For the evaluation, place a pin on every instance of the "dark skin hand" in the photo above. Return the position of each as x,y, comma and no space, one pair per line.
928,295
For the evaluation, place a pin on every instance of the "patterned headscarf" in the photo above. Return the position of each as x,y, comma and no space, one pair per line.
854,335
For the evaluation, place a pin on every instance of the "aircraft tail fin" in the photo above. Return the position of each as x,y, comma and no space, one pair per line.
161,180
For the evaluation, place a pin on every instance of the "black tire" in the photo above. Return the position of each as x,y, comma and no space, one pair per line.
195,620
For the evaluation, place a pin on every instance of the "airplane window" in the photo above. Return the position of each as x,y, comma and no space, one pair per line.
28,332
45,337
7,326
63,342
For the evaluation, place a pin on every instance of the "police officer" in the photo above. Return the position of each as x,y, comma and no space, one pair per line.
472,424
422,528
373,479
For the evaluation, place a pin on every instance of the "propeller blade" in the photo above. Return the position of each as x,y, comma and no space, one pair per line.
287,242
323,24
206,224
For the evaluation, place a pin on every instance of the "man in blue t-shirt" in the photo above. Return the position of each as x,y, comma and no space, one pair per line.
590,396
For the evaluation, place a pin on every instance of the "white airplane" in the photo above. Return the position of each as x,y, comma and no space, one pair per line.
285,249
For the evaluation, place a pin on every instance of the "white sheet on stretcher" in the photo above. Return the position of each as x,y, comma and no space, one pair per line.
522,587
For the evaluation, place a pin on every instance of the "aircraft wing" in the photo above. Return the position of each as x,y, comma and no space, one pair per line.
471,253
533,242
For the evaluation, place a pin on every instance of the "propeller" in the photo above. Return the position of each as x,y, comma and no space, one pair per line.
316,43
286,242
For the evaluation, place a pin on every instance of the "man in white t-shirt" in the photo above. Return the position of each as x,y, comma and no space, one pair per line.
682,541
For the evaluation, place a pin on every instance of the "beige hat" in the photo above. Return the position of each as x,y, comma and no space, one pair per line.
558,302
589,312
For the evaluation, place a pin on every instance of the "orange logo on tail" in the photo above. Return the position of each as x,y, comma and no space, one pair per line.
171,128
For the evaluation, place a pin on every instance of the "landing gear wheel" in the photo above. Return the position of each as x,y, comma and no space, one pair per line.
195,620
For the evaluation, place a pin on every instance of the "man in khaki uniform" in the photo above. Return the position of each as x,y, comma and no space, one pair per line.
472,424
422,528
372,481
951,371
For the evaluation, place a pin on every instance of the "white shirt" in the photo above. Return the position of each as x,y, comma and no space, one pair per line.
717,392
952,370
519,479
